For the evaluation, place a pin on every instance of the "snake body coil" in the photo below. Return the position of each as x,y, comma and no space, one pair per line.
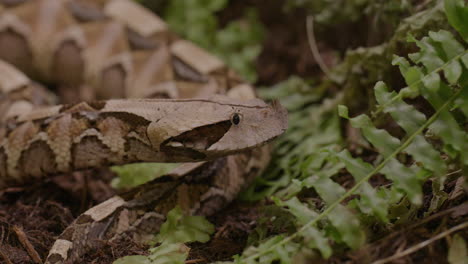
97,51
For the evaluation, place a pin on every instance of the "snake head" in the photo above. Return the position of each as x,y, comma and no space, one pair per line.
220,126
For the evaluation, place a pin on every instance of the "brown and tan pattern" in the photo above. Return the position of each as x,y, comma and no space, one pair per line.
64,138
95,53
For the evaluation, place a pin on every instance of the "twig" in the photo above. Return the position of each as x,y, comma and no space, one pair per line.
220,231
452,173
422,244
5,257
313,46
27,245
421,222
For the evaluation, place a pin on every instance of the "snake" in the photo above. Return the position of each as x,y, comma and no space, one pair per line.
122,88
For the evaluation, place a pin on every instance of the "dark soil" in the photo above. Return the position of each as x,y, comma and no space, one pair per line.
37,214
285,51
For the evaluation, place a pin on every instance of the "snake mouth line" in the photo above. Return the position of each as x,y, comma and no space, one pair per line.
193,143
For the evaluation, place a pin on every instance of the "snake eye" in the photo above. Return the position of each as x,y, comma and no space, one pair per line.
235,119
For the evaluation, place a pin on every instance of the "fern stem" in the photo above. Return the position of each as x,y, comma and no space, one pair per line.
423,244
400,96
360,182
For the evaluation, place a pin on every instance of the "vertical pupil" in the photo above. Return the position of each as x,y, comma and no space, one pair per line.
235,119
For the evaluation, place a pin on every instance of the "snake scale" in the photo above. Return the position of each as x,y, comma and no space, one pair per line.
131,91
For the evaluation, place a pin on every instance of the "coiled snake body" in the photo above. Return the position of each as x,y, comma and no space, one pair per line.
97,50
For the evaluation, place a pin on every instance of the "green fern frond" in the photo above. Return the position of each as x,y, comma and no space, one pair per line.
308,158
169,253
238,43
337,213
457,15
410,119
177,230
433,142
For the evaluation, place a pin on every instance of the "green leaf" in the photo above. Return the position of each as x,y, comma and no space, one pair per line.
453,71
406,116
302,213
214,6
180,228
294,93
169,253
427,156
238,43
137,259
404,179
380,138
348,225
321,181
132,175
446,127
412,77
450,45
369,202
439,196
177,229
313,238
410,120
166,253
358,168
282,254
432,82
343,111
457,15
464,59
458,253
462,102
428,56
301,151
